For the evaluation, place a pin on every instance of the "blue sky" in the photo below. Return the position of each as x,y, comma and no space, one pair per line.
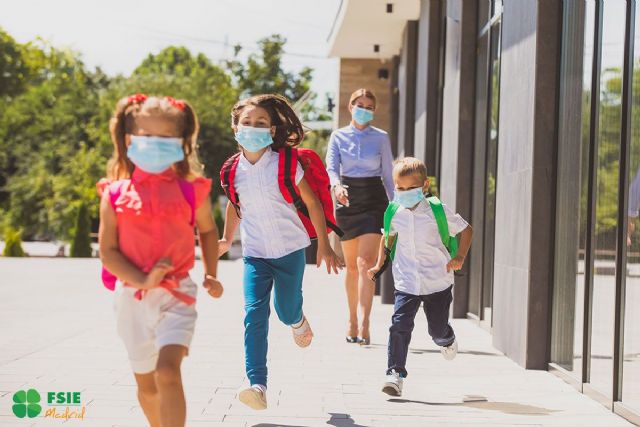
117,34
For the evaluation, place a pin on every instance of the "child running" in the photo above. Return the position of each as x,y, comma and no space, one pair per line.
150,205
424,234
273,235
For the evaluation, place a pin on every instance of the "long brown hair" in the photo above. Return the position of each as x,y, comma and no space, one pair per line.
123,122
289,130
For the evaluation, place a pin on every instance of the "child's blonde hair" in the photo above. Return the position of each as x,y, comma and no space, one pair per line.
409,166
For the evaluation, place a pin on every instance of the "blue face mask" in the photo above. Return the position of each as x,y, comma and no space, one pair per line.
253,139
155,154
362,116
409,198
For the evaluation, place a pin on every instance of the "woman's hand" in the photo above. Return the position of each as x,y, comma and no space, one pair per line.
342,195
155,276
213,286
330,258
223,246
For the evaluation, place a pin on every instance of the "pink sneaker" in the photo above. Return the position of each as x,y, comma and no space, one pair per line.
303,334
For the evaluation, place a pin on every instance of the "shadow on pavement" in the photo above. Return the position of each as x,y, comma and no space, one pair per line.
435,351
342,420
511,408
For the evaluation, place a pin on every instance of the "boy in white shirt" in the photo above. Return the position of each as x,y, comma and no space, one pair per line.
422,266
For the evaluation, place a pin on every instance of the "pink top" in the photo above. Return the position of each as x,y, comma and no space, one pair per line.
154,219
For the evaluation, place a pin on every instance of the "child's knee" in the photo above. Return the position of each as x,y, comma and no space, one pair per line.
168,374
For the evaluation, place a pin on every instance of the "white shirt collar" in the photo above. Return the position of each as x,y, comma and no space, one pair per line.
261,161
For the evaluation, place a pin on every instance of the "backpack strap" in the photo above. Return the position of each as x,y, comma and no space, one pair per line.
450,242
227,178
189,193
388,217
287,166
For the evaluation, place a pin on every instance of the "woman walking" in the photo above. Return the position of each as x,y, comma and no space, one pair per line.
359,163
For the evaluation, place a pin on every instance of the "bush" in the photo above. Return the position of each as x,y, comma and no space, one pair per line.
13,243
81,243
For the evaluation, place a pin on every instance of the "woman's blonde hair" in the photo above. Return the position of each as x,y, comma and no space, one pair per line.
362,92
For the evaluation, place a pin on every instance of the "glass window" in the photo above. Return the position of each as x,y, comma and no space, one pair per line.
607,197
568,299
631,360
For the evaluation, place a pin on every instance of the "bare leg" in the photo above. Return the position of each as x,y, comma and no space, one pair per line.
350,251
367,252
149,397
173,410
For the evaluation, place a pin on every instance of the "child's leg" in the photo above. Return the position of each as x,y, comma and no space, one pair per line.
287,293
436,308
149,397
173,409
258,281
404,312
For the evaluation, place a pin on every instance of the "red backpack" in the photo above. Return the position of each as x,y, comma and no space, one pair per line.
314,173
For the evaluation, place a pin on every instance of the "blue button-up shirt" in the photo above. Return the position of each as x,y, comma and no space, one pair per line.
360,154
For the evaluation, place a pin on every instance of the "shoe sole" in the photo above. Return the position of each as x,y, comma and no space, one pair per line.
252,400
391,390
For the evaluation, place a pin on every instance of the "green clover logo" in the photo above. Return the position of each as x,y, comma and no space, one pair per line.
26,403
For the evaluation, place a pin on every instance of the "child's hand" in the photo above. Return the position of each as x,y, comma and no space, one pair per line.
223,247
213,286
333,261
156,274
455,264
372,271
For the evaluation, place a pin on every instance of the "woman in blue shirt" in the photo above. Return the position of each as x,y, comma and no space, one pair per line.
359,163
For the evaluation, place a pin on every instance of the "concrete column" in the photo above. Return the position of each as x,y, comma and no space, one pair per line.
525,193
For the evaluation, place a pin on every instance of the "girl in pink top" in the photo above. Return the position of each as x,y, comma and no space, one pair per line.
150,205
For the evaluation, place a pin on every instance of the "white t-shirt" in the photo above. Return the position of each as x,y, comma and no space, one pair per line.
270,227
420,264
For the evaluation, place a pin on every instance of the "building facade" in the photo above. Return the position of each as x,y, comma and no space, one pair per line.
527,113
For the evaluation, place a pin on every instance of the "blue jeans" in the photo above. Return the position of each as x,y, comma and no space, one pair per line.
284,275
436,308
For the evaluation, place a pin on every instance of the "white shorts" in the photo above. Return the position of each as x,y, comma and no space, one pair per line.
155,321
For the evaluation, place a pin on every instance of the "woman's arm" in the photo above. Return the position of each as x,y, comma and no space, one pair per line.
231,222
387,168
333,161
316,214
114,261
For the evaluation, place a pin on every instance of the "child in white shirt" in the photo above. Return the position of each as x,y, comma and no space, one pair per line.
422,268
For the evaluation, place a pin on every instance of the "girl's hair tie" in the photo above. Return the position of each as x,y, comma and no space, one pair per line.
137,98
178,103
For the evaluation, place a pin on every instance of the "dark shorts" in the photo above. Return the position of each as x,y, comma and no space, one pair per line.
367,203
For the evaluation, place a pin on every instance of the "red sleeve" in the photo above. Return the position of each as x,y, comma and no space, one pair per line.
102,185
202,188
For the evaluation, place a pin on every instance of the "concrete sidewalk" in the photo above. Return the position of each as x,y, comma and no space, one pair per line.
58,334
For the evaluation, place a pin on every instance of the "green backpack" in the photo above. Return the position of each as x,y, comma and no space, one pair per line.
450,242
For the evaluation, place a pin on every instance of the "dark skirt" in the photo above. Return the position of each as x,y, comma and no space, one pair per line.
367,203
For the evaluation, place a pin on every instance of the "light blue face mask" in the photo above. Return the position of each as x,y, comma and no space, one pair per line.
362,116
409,198
253,139
155,154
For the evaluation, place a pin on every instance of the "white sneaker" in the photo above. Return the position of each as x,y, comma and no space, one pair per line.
450,352
393,385
255,397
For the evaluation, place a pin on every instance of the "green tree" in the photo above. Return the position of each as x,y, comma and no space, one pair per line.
81,243
263,72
